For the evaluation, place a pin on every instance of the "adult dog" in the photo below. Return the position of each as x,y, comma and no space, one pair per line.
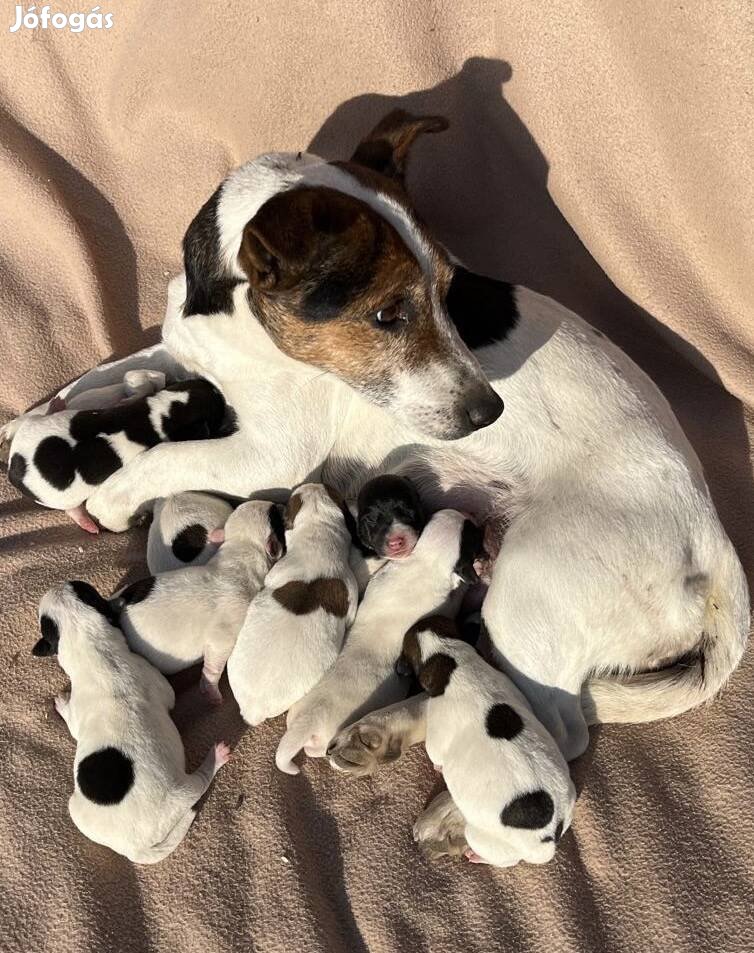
349,342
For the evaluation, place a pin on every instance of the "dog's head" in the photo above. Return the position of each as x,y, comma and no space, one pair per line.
350,282
74,607
390,516
257,523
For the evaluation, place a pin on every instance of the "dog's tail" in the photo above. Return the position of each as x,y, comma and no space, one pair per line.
649,696
303,732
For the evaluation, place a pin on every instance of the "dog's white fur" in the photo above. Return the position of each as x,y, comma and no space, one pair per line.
614,559
279,655
197,612
173,515
363,676
485,774
119,700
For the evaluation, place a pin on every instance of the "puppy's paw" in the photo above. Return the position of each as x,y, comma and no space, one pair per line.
359,749
7,433
111,505
440,830
222,753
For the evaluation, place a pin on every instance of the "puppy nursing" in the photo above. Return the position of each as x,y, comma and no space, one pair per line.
295,627
504,772
180,529
59,458
132,792
431,580
177,618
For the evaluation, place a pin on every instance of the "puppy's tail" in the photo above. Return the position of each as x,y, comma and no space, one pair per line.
649,696
303,732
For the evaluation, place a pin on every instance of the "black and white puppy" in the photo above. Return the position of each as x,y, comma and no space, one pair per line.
295,627
177,618
180,530
132,792
432,579
504,772
59,458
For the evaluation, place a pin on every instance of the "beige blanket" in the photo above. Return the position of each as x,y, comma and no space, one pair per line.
600,152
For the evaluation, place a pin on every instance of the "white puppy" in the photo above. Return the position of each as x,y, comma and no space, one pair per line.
295,627
179,617
132,793
180,528
504,772
363,678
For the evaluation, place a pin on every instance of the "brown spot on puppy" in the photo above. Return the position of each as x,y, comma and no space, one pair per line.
291,510
301,598
435,673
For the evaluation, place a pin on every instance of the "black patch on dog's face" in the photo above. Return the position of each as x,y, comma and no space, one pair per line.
137,591
200,417
528,811
483,310
189,542
472,546
87,594
301,598
48,644
208,289
105,776
556,836
17,472
56,461
503,722
383,501
277,524
435,673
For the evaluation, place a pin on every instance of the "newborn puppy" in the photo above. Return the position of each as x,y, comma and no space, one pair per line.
180,528
388,520
363,678
131,792
59,458
504,772
179,617
295,627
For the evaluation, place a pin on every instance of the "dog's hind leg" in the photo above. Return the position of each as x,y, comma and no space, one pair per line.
212,670
380,736
440,831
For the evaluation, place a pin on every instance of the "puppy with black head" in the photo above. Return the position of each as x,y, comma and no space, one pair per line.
295,627
59,458
504,772
131,790
177,618
390,516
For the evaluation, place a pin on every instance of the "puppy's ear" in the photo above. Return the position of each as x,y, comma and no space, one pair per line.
435,674
387,147
291,510
293,231
48,644
42,648
275,545
216,536
409,660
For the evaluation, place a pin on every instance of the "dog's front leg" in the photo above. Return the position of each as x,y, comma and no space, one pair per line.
380,736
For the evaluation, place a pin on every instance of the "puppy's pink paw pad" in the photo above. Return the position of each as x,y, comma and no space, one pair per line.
472,856
222,753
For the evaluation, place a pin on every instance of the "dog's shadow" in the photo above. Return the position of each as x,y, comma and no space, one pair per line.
482,189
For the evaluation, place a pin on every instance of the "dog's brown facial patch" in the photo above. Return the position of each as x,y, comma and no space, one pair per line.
336,287
301,598
435,673
292,509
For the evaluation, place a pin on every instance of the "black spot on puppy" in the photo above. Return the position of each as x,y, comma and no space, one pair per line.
56,461
483,309
472,546
87,594
48,644
435,673
17,472
189,542
137,591
301,598
200,417
503,722
96,460
131,418
556,836
105,776
528,811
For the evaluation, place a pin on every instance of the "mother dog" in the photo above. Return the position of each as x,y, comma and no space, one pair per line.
348,342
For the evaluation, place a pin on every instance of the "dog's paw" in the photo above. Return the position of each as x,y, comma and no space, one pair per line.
112,505
359,749
440,830
222,754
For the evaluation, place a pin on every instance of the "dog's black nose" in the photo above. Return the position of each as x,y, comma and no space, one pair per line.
484,410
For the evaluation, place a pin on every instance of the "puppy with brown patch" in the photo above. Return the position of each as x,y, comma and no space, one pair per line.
178,618
503,770
295,627
432,579
132,792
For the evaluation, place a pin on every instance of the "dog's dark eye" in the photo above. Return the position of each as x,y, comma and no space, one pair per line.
389,314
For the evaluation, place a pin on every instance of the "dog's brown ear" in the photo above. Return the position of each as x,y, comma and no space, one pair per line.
292,231
386,148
